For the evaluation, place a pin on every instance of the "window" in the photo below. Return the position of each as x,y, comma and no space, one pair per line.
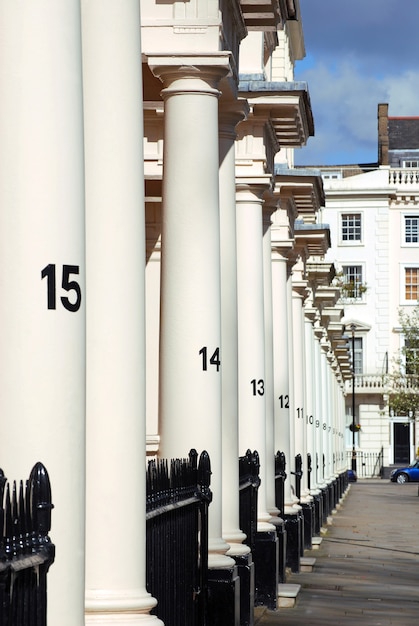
332,175
351,227
352,281
411,275
411,163
358,356
411,229
411,350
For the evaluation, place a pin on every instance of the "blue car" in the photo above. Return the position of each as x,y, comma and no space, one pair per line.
406,474
352,477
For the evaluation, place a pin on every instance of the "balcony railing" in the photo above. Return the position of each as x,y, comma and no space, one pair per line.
367,382
383,383
403,176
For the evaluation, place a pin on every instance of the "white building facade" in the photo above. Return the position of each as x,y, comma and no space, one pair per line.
373,217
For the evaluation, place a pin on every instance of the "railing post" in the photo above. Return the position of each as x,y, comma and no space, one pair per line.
280,477
264,545
204,481
298,475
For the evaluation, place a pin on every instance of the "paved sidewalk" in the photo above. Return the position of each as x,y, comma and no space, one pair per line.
367,567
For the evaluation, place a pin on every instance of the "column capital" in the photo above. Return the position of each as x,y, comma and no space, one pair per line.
230,114
188,73
252,188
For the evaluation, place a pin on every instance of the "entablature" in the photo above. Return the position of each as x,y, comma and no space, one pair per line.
314,239
282,227
261,15
153,138
269,15
305,185
326,296
320,273
286,104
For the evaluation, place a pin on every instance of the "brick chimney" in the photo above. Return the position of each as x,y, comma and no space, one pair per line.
383,140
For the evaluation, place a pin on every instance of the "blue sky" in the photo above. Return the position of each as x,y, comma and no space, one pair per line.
358,54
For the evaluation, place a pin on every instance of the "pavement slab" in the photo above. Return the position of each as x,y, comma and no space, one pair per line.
367,566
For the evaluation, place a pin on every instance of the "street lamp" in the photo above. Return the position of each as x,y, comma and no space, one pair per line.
353,464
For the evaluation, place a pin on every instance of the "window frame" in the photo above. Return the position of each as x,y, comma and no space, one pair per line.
351,242
359,356
407,163
403,268
405,217
355,299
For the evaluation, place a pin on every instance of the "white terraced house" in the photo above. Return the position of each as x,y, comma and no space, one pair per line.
373,213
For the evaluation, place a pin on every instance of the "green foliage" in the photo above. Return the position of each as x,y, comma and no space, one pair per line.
349,289
404,396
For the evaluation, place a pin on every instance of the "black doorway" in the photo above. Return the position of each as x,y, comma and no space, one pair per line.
401,442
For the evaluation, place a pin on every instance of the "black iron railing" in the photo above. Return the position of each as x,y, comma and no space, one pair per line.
309,470
249,482
177,538
280,477
298,475
26,551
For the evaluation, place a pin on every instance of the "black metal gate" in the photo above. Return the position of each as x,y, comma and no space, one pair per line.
177,538
26,551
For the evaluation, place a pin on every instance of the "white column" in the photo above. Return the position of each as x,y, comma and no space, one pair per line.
190,330
330,416
251,329
42,267
115,243
292,403
319,415
325,408
228,118
269,207
311,393
300,381
282,381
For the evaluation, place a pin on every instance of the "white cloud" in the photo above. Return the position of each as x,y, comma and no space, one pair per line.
359,54
403,93
344,101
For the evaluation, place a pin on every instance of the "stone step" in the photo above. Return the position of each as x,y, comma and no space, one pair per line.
307,563
287,595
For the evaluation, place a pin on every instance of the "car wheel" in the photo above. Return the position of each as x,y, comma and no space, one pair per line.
402,478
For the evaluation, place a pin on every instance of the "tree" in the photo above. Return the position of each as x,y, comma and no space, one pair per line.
404,380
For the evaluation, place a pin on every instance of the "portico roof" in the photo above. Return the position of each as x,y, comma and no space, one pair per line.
286,104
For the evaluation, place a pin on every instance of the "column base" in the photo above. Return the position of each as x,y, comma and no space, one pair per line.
279,524
121,619
325,501
129,608
246,570
308,519
223,606
318,513
293,528
265,555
